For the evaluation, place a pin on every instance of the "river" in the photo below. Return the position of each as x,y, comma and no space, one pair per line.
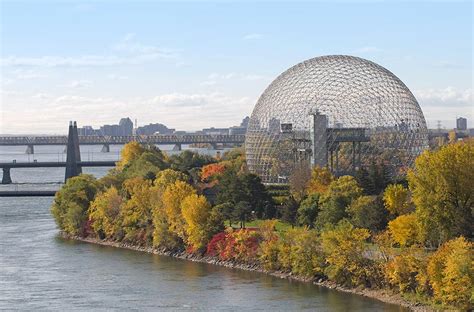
40,271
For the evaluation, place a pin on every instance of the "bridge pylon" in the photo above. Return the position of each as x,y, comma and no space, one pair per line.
73,157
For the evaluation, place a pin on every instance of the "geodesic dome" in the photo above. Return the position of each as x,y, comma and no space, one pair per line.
342,112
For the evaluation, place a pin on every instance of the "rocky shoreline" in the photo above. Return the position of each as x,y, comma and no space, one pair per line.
386,296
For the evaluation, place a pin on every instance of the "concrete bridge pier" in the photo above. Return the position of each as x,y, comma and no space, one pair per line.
212,146
177,147
6,179
105,148
30,149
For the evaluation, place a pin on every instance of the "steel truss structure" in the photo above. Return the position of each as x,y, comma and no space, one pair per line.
338,111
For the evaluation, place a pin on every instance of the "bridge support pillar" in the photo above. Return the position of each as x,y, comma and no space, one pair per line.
6,179
73,153
177,147
30,149
105,148
213,146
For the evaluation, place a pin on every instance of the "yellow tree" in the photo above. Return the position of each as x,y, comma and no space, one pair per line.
451,273
162,236
173,195
196,211
320,180
404,230
442,186
130,152
345,248
137,210
104,212
397,199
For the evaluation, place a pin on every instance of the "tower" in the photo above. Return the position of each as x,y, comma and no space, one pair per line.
73,157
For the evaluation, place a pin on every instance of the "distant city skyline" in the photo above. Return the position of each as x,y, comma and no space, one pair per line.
196,65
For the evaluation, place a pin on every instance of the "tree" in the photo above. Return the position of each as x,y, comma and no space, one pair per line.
187,160
442,186
71,203
257,196
226,210
234,187
104,212
320,180
397,199
299,179
308,210
290,211
367,212
137,221
242,212
451,273
340,194
345,248
168,177
211,171
130,152
404,230
196,211
173,195
406,271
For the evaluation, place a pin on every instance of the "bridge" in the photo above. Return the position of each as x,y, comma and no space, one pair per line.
6,179
106,141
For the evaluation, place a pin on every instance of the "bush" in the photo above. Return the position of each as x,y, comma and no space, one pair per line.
345,249
240,245
451,273
71,203
405,272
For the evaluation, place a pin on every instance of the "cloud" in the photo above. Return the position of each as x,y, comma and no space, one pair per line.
184,111
367,49
128,52
214,78
449,96
76,84
253,36
116,77
445,105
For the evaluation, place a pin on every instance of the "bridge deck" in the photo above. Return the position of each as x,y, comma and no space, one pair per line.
150,139
27,193
56,164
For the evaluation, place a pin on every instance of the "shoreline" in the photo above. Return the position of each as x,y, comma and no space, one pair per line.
384,295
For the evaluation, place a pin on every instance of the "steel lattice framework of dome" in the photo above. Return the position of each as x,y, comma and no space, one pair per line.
342,112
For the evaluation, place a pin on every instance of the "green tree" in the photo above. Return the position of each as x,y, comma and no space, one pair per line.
368,212
242,212
187,160
442,185
290,211
71,203
308,210
340,194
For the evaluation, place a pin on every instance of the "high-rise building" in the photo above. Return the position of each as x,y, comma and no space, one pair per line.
126,127
461,123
